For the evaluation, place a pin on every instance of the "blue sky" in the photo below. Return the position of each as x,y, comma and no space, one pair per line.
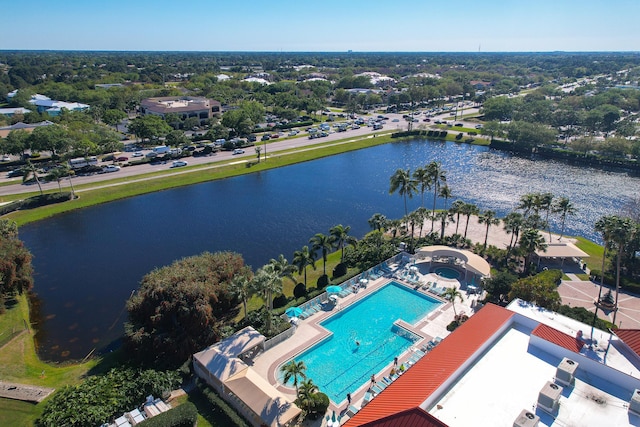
326,25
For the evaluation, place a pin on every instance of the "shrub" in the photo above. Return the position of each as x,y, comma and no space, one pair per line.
340,270
299,291
459,137
443,134
583,315
320,403
280,301
323,281
184,415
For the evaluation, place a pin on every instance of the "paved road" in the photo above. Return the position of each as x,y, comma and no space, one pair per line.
273,146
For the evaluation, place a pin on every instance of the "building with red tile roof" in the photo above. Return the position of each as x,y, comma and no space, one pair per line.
495,367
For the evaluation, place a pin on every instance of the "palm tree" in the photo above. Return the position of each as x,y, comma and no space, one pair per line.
530,242
402,183
321,242
489,218
340,238
442,216
283,268
306,394
512,224
445,193
438,177
452,294
377,221
546,203
241,287
469,210
602,226
564,207
68,172
620,236
267,282
293,370
423,179
302,259
527,203
30,171
456,209
423,214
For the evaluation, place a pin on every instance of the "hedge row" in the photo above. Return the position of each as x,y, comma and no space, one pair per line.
35,202
224,413
184,415
609,279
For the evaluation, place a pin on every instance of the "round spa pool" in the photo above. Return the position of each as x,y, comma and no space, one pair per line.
447,273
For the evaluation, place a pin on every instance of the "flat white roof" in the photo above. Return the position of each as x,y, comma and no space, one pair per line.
507,379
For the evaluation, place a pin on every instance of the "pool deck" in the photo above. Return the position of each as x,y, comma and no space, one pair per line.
309,332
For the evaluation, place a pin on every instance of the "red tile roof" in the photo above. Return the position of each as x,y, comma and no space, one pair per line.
631,337
411,389
559,338
414,417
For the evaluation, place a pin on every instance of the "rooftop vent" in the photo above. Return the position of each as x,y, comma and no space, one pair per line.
549,397
565,374
526,419
634,403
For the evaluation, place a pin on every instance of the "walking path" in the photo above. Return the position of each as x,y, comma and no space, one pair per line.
27,393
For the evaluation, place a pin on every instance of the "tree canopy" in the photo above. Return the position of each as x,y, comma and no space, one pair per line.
181,308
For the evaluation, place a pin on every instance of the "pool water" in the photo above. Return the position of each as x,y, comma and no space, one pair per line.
447,273
364,339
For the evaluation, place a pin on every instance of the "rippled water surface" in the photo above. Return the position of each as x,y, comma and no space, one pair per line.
88,262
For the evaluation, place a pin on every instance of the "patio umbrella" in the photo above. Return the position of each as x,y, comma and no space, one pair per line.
334,422
334,289
293,312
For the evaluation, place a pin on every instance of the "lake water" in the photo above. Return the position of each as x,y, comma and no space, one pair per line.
88,262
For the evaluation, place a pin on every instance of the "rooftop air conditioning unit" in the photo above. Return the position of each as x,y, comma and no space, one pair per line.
549,397
565,374
634,403
526,419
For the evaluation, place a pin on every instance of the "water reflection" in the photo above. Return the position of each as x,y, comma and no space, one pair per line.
88,262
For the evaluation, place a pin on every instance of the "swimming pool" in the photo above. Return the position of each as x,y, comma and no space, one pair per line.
447,273
364,339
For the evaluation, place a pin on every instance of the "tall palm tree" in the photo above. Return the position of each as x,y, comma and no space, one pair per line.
423,180
293,370
469,210
56,174
513,222
423,214
602,226
402,182
283,268
527,204
241,287
340,238
443,216
489,218
321,242
546,204
564,207
377,221
456,209
306,394
267,283
530,242
30,171
445,193
452,294
620,235
68,172
438,177
302,259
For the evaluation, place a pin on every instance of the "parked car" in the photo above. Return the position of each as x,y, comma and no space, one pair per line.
478,126
151,154
274,136
122,159
265,137
137,154
251,138
14,173
178,163
459,125
5,158
238,151
110,168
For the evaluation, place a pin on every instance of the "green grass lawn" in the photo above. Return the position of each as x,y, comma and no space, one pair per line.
595,251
